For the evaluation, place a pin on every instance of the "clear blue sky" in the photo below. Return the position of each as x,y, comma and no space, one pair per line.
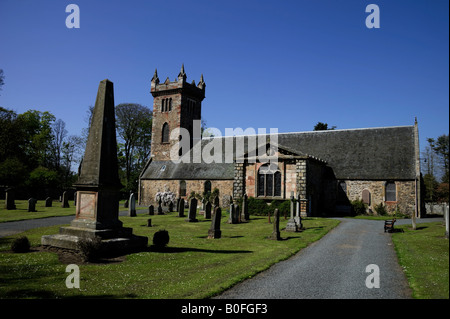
281,64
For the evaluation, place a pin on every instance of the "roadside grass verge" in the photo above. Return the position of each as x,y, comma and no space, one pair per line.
424,256
191,266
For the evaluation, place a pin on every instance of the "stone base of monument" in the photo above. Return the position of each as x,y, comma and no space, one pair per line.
113,241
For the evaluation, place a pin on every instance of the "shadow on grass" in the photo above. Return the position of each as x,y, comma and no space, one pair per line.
156,249
45,294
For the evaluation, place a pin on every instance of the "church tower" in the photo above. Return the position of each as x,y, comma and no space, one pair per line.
175,104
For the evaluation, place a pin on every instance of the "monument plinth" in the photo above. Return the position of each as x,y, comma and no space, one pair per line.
98,186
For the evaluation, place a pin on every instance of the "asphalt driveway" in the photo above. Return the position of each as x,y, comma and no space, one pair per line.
334,268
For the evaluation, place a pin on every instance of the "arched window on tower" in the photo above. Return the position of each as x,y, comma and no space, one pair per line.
170,104
165,133
163,104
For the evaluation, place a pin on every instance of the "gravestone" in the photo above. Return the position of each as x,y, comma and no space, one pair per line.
160,209
48,202
151,210
65,200
149,222
208,210
132,206
298,215
237,214
192,211
9,200
32,205
216,201
170,206
214,231
98,187
276,225
178,204
181,208
291,224
232,213
245,216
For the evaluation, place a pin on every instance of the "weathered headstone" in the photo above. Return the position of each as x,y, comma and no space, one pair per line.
181,208
192,218
298,215
208,210
160,209
149,222
291,225
132,206
98,187
32,205
65,200
170,206
237,214
9,200
276,225
151,210
214,231
232,213
178,204
245,216
216,201
48,202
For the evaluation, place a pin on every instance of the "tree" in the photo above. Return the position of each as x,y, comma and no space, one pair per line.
322,127
2,79
133,122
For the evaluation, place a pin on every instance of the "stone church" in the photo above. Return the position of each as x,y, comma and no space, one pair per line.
326,169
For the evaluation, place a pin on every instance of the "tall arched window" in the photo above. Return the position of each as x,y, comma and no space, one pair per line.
207,187
390,192
182,188
163,105
269,181
165,133
170,104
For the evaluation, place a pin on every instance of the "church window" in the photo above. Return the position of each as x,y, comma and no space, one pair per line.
182,188
390,192
207,187
170,104
165,133
269,181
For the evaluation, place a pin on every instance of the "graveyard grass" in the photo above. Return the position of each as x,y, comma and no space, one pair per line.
191,266
21,211
424,256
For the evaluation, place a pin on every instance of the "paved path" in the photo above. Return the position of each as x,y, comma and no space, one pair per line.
334,267
12,228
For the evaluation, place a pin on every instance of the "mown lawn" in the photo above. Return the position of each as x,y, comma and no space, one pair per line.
192,266
21,211
424,255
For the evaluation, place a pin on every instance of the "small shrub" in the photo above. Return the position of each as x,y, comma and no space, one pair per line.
359,207
381,209
89,248
20,245
161,238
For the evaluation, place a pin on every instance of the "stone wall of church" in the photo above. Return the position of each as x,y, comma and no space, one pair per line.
149,188
375,194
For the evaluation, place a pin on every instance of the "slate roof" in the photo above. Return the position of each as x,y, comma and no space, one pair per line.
361,154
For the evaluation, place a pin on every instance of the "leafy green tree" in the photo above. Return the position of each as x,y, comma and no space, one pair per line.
134,128
322,127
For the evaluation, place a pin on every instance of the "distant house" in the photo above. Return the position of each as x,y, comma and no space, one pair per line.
327,169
